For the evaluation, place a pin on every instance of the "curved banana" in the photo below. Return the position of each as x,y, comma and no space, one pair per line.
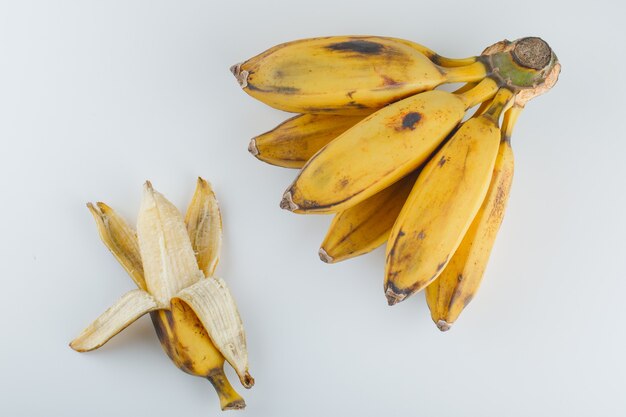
449,294
188,345
364,227
380,150
442,204
344,74
296,140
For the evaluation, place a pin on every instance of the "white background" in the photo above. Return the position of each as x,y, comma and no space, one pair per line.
98,96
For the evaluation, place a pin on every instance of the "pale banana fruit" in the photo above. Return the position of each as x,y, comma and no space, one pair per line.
442,204
172,262
380,150
345,74
364,227
449,294
296,140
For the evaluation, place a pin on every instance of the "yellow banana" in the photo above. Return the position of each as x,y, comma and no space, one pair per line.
380,150
448,295
197,322
345,74
188,345
296,140
365,226
442,204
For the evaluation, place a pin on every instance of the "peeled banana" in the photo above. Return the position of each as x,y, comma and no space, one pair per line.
440,226
172,262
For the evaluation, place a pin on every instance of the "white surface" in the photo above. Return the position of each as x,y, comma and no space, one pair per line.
96,97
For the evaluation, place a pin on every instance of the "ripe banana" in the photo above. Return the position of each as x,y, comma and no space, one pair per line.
441,229
449,294
296,140
442,204
172,262
380,150
364,227
345,74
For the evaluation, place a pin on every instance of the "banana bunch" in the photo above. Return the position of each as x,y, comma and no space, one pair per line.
172,261
391,157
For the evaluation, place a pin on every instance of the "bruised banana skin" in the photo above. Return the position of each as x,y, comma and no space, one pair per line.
457,285
292,143
186,342
366,226
344,74
442,204
380,150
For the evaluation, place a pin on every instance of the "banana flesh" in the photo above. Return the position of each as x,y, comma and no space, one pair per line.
194,315
292,143
344,74
457,285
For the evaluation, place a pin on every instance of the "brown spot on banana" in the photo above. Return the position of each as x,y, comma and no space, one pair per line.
410,120
390,82
358,46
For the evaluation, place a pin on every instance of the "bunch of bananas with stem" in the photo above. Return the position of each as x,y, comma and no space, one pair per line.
172,261
392,157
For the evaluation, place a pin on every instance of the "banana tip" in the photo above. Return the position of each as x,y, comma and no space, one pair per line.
287,202
238,404
247,381
393,297
252,147
241,76
443,325
324,256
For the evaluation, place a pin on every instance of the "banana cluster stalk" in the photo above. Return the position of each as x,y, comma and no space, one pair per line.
172,261
391,157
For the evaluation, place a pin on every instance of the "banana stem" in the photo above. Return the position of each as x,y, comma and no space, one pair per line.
499,104
483,91
468,73
453,62
482,108
465,87
509,120
229,398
